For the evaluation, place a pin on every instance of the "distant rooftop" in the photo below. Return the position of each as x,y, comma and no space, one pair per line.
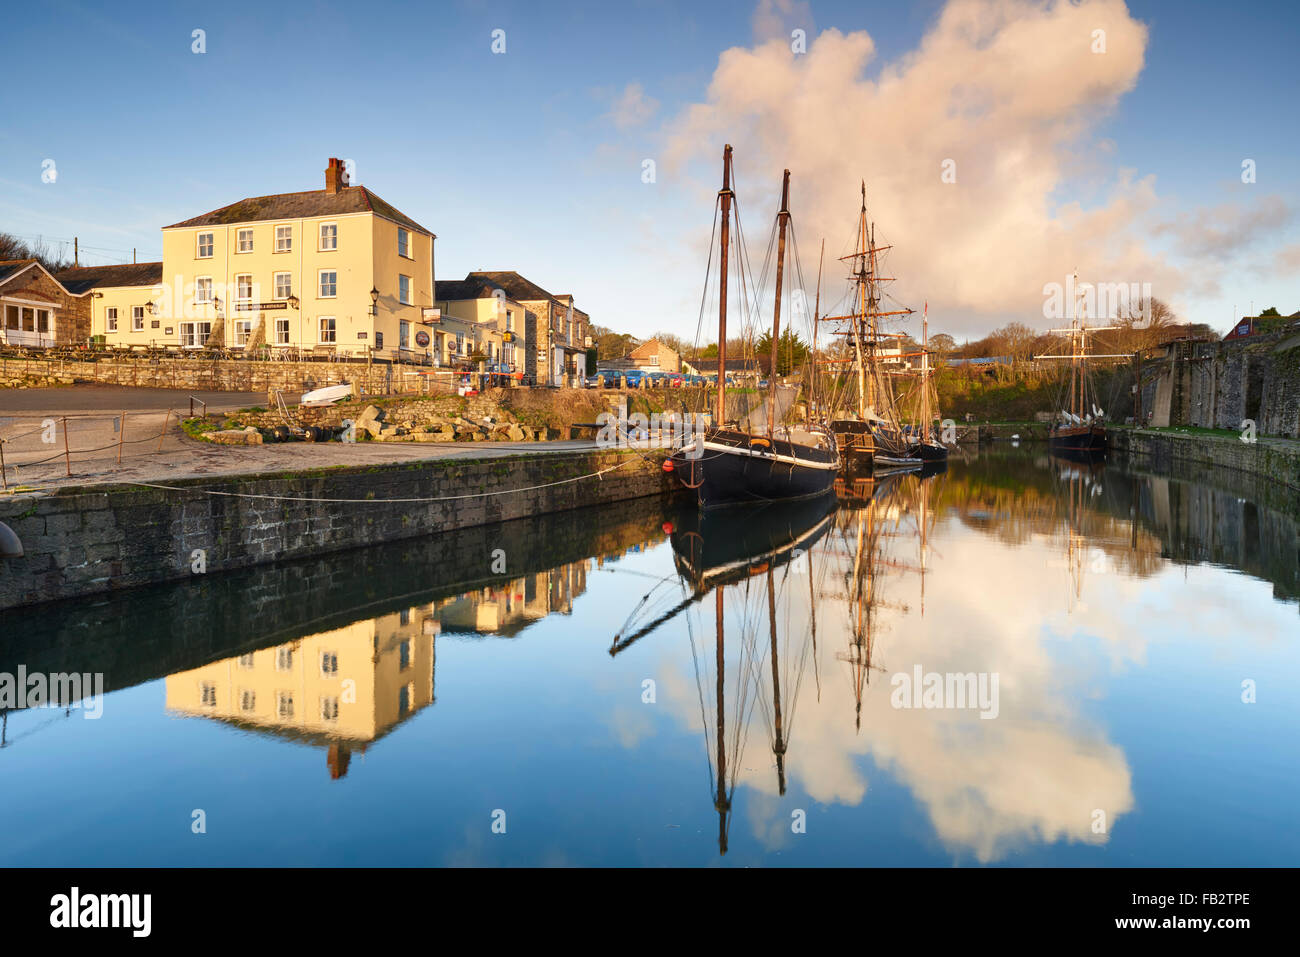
85,278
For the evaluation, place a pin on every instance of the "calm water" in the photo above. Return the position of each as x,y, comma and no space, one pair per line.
390,706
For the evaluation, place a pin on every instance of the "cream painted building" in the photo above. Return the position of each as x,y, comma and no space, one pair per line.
121,300
335,270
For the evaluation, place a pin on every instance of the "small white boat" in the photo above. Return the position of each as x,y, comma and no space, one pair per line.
326,396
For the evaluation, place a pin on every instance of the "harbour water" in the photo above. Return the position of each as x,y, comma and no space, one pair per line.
1021,661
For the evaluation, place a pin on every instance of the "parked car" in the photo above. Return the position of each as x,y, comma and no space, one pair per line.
612,377
632,378
592,381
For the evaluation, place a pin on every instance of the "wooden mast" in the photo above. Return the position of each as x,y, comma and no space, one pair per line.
817,308
725,196
862,304
925,374
782,218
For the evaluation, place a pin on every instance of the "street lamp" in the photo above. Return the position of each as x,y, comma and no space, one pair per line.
292,301
374,301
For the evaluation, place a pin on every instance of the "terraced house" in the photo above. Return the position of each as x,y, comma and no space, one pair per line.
334,270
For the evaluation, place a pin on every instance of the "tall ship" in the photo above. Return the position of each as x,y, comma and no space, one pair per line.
921,433
1079,428
752,462
866,427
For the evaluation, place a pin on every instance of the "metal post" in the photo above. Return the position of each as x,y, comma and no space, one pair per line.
67,456
4,479
166,420
121,437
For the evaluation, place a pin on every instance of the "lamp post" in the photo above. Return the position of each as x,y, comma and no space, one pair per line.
374,323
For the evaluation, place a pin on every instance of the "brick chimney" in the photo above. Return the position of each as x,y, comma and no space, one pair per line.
336,176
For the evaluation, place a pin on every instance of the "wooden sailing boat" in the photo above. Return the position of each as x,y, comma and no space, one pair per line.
871,434
1080,427
734,465
925,445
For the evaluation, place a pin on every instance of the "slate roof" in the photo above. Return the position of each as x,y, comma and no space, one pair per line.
9,267
85,278
313,202
470,288
516,286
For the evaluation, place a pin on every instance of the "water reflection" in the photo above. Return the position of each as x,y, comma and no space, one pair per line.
774,636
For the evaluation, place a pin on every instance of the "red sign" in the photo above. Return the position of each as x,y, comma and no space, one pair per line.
421,338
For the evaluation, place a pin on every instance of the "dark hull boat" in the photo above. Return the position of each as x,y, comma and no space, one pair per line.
733,466
1079,438
739,468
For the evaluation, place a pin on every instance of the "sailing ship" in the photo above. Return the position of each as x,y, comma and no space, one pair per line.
732,464
870,435
925,445
1079,429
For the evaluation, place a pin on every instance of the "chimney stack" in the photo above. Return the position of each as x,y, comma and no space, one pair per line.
336,176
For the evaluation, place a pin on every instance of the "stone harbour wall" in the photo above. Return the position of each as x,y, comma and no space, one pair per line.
1274,461
88,540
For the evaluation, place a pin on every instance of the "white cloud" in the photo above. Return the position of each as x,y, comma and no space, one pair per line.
1008,89
632,107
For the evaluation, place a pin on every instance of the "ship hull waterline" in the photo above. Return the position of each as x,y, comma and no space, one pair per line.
736,468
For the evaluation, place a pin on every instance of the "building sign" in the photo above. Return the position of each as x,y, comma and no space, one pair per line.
421,338
362,335
259,306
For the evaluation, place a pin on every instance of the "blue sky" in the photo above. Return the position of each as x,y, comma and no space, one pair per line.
517,161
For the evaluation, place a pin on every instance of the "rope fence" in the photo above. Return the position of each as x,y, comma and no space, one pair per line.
32,445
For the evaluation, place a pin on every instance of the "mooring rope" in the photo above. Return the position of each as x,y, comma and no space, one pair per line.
381,501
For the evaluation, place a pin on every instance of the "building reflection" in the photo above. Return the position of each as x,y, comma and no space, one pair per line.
507,609
346,688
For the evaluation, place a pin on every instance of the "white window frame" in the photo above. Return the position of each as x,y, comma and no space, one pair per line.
329,708
320,284
285,332
198,245
287,237
247,699
243,331
403,334
239,241
239,294
195,327
320,240
276,286
404,234
404,297
199,284
327,659
284,704
110,319
320,329
137,318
